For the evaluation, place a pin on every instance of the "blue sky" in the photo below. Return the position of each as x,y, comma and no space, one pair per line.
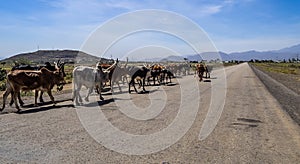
232,25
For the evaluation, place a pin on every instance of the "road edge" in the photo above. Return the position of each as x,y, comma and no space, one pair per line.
288,99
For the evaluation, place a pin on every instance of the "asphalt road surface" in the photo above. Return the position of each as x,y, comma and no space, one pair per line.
252,127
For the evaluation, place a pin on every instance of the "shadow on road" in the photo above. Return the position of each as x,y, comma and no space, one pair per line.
171,84
30,108
45,103
249,120
41,109
99,103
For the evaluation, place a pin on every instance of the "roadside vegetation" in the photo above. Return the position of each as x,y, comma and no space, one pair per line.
285,72
292,68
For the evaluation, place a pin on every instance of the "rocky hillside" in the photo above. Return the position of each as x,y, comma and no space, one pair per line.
43,56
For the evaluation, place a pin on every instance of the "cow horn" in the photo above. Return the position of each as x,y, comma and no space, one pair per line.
98,65
58,63
112,66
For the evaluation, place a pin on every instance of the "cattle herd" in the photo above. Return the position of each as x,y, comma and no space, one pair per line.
44,78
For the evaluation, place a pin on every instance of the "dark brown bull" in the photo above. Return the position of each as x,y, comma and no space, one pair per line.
26,80
200,68
135,73
29,67
155,72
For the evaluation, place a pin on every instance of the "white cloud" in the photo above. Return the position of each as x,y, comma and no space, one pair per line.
209,10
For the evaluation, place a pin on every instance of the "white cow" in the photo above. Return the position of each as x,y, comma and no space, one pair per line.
89,77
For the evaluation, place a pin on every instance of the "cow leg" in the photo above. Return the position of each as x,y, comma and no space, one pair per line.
111,85
36,94
129,91
100,96
79,97
119,86
90,90
51,96
200,76
134,87
20,100
144,85
139,82
74,95
148,81
15,95
97,89
41,97
124,79
77,94
12,97
5,95
162,79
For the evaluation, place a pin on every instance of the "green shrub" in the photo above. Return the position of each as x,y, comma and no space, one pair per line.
2,85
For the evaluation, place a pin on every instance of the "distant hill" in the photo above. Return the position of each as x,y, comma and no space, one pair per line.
208,56
43,56
276,55
292,49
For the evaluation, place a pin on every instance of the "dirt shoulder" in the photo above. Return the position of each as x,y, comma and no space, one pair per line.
285,88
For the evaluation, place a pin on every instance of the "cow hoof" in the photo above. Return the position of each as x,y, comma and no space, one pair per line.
86,99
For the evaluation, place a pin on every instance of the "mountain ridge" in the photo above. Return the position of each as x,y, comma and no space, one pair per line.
76,56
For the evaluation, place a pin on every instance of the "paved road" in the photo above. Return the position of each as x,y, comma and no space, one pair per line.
252,128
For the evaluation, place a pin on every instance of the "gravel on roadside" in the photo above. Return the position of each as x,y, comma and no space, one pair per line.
284,89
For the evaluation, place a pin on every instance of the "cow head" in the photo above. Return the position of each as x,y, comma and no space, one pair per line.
112,66
60,73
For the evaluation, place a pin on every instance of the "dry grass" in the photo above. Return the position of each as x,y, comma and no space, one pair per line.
285,68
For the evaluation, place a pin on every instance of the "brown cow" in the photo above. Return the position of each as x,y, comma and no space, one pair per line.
42,80
200,68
